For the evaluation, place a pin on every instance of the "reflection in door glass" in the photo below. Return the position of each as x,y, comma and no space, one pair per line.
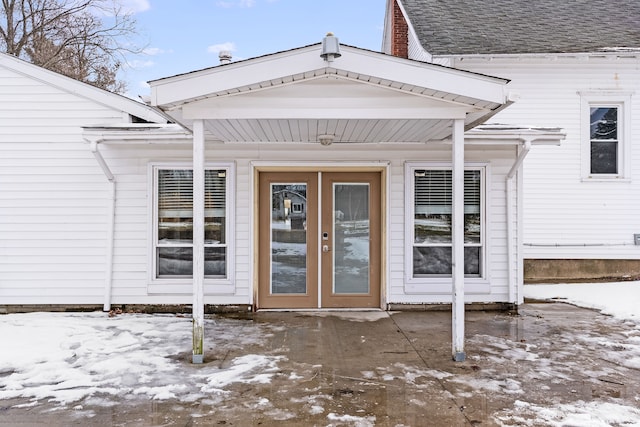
351,238
288,238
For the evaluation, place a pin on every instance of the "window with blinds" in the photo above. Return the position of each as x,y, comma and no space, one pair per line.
174,219
432,215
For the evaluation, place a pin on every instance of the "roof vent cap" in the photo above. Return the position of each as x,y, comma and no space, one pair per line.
224,56
330,48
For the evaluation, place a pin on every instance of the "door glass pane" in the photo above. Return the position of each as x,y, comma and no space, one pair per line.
351,238
288,238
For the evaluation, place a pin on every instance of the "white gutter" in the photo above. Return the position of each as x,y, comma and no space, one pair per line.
111,216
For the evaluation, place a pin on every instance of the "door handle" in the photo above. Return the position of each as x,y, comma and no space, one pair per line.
325,248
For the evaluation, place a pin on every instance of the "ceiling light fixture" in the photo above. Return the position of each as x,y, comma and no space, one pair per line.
326,139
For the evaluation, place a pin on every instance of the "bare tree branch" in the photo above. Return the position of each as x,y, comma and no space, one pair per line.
83,39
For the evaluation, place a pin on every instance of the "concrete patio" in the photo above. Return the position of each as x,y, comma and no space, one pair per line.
395,369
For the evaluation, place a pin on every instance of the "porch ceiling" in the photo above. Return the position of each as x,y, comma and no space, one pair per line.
395,100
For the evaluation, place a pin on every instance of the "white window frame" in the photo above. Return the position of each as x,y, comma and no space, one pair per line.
621,101
440,284
297,208
184,285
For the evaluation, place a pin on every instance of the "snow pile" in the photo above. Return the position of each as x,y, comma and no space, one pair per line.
618,299
592,414
68,357
338,420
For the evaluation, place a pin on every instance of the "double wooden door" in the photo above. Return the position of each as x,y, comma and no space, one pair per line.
319,239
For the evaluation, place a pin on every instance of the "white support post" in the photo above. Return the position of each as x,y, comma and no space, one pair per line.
457,239
198,241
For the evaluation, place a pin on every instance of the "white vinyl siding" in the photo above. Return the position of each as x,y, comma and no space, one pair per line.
54,206
53,196
493,287
73,261
568,215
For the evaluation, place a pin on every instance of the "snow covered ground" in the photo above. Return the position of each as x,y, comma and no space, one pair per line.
75,361
72,356
618,299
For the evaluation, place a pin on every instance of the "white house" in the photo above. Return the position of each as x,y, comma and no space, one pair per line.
574,65
105,201
54,199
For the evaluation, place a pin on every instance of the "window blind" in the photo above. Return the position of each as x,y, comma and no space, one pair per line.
175,193
434,191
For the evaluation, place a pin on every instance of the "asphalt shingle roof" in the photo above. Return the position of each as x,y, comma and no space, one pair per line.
447,27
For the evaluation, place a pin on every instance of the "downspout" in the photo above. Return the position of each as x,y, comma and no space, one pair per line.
111,216
511,250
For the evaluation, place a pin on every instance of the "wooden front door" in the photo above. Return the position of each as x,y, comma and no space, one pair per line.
319,239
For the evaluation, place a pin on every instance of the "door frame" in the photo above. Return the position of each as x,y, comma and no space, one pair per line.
257,167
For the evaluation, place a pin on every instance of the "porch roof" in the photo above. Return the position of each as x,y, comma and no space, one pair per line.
359,97
487,134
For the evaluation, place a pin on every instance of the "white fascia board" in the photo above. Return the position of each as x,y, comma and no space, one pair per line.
515,136
386,30
188,87
76,87
440,78
197,85
143,135
324,113
314,108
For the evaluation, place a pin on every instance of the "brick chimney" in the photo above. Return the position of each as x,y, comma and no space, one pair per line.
399,33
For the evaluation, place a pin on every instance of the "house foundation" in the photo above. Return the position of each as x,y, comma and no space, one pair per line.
580,270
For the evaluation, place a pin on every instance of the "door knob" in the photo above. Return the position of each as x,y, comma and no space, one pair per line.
325,248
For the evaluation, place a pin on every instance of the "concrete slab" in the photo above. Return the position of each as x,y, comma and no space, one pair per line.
394,369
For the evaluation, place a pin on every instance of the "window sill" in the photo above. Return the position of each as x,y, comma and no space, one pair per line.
593,178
